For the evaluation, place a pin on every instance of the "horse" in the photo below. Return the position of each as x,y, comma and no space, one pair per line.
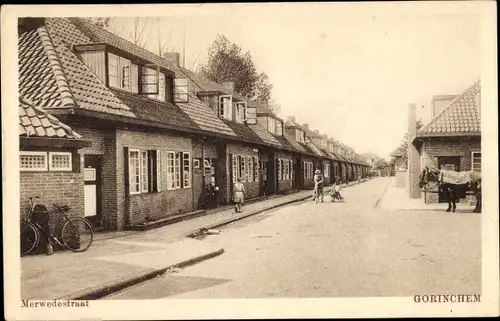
451,183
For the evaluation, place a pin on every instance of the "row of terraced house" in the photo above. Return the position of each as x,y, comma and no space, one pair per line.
124,136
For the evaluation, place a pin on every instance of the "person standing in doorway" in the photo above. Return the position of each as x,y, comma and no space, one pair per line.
239,195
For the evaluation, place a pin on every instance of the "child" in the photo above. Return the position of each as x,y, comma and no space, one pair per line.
318,186
238,195
335,192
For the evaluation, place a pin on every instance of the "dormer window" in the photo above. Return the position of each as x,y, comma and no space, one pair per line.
123,74
153,83
241,110
226,107
271,125
251,115
279,128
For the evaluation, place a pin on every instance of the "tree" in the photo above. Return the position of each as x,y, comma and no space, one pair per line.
228,62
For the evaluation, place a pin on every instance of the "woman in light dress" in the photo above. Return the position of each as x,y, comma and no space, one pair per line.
239,195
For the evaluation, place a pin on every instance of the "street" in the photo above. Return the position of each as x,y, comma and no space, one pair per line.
350,249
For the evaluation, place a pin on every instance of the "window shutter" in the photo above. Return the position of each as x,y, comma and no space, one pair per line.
251,115
126,174
158,171
150,80
181,90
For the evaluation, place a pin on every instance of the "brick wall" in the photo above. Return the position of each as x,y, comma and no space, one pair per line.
462,147
307,182
138,208
252,188
62,188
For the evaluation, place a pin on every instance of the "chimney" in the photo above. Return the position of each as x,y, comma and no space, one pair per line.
439,103
305,125
413,155
229,85
292,118
173,57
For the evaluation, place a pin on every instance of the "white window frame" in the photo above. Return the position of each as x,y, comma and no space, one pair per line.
171,170
279,169
130,151
184,185
144,164
235,163
122,63
226,111
249,167
241,111
256,169
472,160
243,168
27,153
65,169
271,125
196,163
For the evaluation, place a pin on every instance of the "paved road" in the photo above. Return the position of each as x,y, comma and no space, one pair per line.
346,249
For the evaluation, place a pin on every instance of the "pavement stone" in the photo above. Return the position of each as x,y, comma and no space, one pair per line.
117,259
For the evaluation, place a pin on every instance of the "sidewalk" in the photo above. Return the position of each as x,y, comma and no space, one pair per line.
396,198
120,259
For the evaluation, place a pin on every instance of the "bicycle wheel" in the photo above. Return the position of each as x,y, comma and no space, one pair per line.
29,237
77,234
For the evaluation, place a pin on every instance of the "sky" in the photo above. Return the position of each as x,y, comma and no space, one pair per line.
348,73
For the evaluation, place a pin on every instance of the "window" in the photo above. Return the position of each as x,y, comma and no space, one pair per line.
196,163
33,161
476,161
134,171
255,168
144,168
279,128
181,92
243,170
271,125
226,107
292,169
186,169
122,73
279,168
175,162
287,169
240,112
326,170
153,84
236,168
250,171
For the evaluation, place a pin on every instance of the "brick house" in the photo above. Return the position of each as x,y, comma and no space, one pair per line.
50,165
144,123
452,139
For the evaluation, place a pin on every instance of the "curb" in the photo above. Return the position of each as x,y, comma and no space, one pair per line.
105,289
382,195
199,231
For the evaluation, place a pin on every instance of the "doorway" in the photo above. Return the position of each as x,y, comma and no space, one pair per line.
93,189
451,163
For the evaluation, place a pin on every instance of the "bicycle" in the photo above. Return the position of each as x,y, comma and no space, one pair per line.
76,233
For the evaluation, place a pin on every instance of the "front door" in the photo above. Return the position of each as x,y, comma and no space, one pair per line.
451,163
92,189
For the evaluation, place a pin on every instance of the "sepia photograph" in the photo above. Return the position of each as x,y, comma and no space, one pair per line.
280,159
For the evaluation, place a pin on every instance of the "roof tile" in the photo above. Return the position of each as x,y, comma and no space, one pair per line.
40,123
461,117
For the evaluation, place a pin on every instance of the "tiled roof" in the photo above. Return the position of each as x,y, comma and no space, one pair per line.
244,132
314,148
37,80
265,135
156,111
204,117
34,122
288,140
98,34
461,117
53,77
